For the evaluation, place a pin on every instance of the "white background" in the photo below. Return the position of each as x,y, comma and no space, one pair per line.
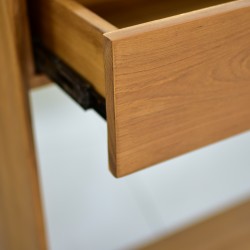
86,208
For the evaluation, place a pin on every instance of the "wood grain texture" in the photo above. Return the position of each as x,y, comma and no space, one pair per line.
125,13
73,33
110,106
24,47
179,83
228,230
21,220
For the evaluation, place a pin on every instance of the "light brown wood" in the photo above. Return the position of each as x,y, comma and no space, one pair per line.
21,220
229,230
163,78
125,13
75,34
39,80
178,84
23,43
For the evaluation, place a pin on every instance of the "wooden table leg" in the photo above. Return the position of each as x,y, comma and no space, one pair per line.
21,219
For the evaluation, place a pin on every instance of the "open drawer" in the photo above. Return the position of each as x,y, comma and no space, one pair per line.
175,74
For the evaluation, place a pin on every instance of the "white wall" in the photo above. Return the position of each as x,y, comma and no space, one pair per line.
87,208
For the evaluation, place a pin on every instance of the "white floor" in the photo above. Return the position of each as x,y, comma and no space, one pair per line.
88,209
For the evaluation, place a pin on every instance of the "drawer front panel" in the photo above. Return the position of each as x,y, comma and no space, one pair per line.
177,84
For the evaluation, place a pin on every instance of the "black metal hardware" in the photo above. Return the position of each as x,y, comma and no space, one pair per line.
69,80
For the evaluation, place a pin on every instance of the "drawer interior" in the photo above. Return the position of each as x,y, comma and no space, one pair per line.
124,13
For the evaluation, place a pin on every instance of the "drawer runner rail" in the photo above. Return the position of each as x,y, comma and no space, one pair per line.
70,81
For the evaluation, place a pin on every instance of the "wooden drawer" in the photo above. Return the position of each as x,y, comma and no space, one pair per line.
177,72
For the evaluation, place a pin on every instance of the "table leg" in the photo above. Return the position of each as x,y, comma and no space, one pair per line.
21,219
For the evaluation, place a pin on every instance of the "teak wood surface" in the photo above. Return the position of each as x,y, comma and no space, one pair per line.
172,85
125,13
23,42
21,219
229,230
177,84
73,29
73,33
